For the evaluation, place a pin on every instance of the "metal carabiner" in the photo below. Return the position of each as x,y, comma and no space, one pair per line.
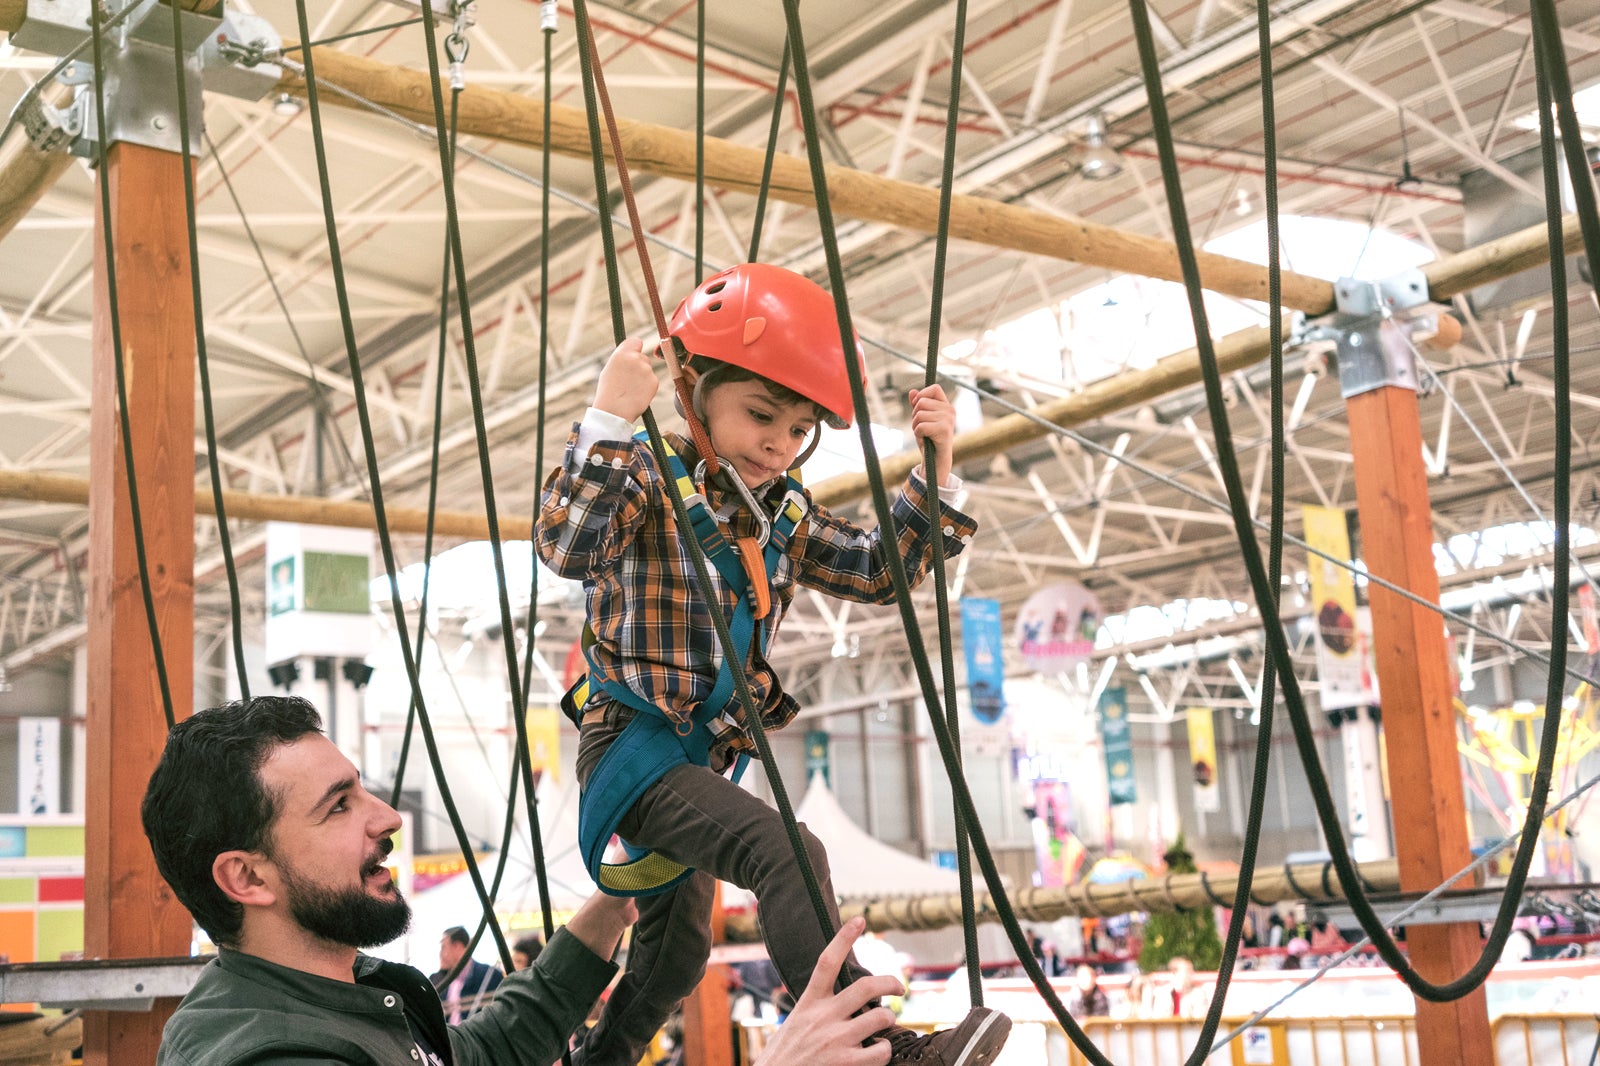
762,520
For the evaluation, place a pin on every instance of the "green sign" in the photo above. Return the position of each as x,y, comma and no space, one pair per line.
817,755
280,587
337,583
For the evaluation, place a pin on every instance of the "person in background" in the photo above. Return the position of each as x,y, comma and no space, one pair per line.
1189,998
1088,999
473,983
1325,937
524,951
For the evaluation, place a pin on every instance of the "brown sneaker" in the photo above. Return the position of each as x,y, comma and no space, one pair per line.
975,1042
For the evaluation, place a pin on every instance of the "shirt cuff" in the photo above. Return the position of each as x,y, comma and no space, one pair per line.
952,483
597,426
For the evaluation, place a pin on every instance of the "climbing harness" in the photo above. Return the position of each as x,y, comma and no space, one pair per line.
651,743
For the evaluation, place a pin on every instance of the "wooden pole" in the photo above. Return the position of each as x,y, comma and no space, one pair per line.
26,173
129,912
1419,718
263,507
1310,880
670,152
707,1021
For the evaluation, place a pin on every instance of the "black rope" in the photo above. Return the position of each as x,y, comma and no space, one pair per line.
941,244
317,392
549,32
508,635
753,721
214,462
947,752
699,141
1266,596
385,541
114,313
772,152
433,488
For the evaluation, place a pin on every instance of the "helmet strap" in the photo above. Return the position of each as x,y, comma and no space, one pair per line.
805,453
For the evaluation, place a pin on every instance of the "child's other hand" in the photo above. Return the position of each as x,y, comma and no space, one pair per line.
628,382
933,418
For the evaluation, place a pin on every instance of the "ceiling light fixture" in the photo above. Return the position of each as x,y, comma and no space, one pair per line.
286,105
1407,180
1099,161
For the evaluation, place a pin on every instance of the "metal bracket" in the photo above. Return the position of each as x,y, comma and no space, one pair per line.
50,128
141,90
1371,331
100,984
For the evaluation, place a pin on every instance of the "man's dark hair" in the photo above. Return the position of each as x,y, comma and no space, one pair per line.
206,798
457,935
529,946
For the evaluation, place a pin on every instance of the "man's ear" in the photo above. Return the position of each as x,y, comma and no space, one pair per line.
245,877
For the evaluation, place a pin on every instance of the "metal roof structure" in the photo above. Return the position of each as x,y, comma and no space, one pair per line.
1368,92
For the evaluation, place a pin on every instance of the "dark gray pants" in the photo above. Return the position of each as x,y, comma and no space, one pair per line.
702,820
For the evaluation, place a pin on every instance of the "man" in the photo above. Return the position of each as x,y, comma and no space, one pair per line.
264,832
472,986
1088,999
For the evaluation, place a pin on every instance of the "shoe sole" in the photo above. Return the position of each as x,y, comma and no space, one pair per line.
986,1041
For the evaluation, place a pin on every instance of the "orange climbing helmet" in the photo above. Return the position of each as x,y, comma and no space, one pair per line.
775,323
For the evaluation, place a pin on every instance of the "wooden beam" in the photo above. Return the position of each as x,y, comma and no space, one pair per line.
26,173
670,152
263,507
129,912
1159,894
1419,718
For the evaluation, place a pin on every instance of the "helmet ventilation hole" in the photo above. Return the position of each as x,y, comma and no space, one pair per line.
713,289
716,306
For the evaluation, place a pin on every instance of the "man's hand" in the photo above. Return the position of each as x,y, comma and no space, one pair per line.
824,1028
933,418
601,921
628,382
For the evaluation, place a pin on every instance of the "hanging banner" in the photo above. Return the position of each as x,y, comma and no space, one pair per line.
1056,627
1591,625
986,669
1203,759
817,756
39,765
544,740
1333,596
1118,741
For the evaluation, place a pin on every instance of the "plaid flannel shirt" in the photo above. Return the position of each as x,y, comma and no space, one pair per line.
606,519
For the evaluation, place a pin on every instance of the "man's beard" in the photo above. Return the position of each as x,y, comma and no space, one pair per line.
347,916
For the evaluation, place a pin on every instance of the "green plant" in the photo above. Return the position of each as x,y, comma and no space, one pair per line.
1191,933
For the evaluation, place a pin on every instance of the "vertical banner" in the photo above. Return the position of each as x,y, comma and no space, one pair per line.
1118,741
1203,760
544,741
1333,597
986,669
39,765
1591,624
817,756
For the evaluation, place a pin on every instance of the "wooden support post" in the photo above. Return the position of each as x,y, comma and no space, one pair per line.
129,911
707,1020
1418,715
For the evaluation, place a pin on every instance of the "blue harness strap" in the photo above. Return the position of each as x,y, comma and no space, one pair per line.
652,744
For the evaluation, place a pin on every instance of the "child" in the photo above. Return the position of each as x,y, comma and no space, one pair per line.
768,368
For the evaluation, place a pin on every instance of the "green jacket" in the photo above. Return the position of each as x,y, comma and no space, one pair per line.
245,1011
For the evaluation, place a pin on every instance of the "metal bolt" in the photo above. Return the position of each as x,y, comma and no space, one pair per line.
159,122
1355,340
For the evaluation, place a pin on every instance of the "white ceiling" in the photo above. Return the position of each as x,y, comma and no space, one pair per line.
1459,71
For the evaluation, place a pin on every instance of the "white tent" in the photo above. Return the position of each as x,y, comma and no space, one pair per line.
863,866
